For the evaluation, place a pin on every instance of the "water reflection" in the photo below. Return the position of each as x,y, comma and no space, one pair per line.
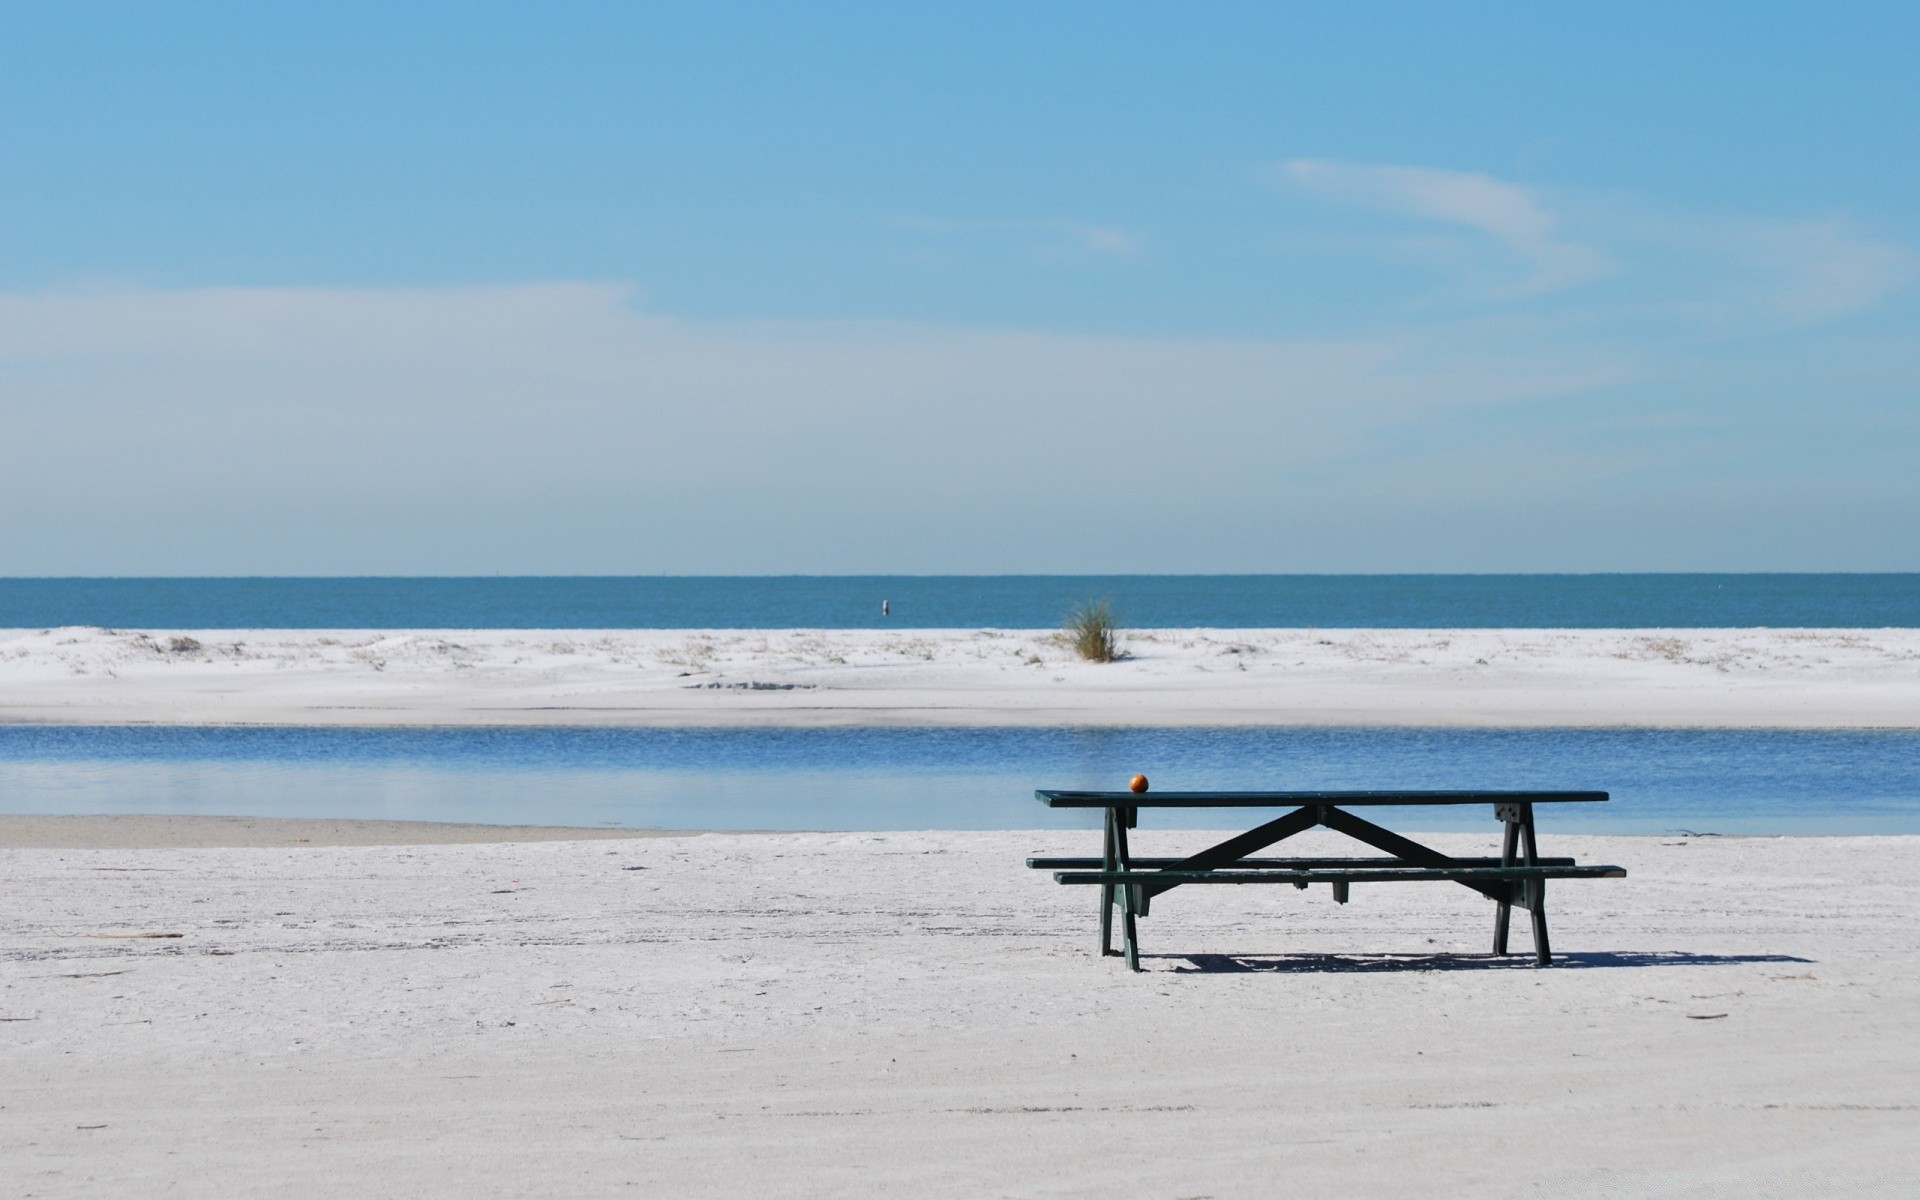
1716,780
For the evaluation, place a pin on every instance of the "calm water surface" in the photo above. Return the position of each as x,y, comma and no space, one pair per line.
1661,780
969,601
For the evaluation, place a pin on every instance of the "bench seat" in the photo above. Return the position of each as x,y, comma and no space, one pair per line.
1350,875
1272,864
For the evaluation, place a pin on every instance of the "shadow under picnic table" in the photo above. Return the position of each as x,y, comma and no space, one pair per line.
1212,964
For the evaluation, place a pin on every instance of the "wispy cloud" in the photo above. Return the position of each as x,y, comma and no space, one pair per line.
559,427
1511,215
1706,275
372,430
1823,269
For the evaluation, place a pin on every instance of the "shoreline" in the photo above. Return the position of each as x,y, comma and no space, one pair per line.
798,678
177,831
982,718
174,831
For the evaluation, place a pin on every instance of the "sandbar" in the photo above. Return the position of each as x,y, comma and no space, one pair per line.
1680,678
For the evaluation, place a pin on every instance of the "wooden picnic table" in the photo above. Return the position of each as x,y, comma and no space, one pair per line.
1518,877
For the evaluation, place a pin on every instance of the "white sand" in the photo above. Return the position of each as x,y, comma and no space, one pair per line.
1689,677
919,1015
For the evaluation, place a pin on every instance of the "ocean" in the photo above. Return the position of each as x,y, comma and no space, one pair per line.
969,601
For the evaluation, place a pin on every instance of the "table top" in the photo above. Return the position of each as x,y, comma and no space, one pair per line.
1057,799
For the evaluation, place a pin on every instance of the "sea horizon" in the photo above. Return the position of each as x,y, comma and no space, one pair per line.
1838,599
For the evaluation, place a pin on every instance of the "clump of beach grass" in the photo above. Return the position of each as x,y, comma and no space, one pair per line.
1091,632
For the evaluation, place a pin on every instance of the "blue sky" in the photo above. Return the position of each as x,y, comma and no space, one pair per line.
615,288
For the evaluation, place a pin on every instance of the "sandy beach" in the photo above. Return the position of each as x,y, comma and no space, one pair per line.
1759,678
211,1006
919,1015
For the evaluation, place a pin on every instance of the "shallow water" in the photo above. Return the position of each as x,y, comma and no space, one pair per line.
970,601
1721,781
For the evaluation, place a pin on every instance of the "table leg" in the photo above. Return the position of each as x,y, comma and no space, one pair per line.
1542,951
1132,896
1110,862
1131,930
1141,901
1503,913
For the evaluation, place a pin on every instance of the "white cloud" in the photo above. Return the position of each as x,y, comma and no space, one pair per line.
1824,268
556,427
1510,214
1685,275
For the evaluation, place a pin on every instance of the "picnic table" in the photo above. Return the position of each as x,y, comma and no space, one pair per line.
1517,878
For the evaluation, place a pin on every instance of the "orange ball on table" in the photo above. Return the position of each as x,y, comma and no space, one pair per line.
1137,784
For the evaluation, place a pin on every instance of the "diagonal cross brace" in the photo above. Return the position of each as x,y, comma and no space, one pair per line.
1380,838
1236,848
